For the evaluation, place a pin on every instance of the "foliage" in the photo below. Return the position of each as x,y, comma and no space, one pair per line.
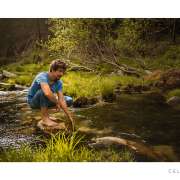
172,53
123,37
84,37
63,38
79,35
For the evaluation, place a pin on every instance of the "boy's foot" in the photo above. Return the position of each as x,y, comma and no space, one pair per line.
53,119
48,122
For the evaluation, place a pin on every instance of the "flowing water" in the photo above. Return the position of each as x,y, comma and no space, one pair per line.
135,117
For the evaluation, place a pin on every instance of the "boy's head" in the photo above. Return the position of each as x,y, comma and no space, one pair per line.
57,65
57,69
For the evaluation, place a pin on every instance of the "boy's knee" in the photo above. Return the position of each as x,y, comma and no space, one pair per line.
69,100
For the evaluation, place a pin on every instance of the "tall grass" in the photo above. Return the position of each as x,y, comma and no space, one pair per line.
62,148
90,85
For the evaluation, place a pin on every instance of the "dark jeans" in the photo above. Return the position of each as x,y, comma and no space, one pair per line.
40,100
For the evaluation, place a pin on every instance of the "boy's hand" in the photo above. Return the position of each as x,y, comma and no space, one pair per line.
72,123
71,120
58,107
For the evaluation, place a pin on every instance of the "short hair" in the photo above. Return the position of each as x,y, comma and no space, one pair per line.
57,65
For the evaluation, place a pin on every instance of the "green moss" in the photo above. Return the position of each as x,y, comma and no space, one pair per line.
174,92
24,80
25,72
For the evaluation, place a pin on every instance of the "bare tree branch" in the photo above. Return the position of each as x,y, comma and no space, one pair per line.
113,61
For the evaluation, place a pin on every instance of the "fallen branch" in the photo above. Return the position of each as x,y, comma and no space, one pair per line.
126,69
123,68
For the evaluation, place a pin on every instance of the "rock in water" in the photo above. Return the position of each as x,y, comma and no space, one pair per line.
80,102
174,101
52,129
108,141
94,131
84,102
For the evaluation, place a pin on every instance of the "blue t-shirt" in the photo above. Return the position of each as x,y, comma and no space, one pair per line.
43,77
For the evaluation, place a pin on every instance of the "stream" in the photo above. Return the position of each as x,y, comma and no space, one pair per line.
135,117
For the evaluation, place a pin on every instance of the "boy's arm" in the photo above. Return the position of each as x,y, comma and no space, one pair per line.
48,93
62,104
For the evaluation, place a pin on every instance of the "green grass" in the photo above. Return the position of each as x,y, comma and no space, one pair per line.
170,58
25,72
162,64
63,148
21,79
174,92
90,85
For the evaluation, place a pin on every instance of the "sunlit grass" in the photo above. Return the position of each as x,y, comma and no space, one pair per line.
90,85
175,92
63,148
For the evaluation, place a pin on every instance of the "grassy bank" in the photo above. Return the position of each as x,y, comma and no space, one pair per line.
89,85
76,84
62,148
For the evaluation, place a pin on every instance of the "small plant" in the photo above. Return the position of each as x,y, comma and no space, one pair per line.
63,148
